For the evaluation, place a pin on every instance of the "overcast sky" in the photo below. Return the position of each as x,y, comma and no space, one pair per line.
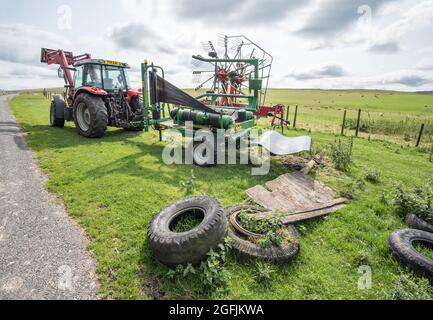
381,44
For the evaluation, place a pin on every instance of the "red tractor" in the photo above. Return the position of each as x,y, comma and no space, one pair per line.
98,94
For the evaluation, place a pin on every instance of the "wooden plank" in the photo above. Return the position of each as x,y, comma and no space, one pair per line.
298,195
310,215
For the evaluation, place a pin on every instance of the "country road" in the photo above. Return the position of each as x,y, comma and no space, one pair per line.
42,251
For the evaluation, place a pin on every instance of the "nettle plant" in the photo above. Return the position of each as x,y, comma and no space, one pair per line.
210,276
271,228
341,154
417,200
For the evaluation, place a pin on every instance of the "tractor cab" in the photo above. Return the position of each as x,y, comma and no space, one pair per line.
110,76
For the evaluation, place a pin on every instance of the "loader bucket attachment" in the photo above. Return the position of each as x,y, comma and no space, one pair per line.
45,53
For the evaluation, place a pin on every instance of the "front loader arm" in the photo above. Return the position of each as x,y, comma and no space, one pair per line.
64,59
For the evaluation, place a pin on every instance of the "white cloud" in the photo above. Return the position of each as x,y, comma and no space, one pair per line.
21,43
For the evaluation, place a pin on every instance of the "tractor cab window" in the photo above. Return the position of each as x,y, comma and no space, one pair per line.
114,78
78,77
92,76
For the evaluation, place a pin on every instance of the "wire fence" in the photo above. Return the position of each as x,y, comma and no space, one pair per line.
396,127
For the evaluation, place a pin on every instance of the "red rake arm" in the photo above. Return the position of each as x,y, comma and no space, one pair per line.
64,59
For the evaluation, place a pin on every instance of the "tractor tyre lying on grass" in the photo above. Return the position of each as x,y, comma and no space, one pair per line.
90,115
57,117
401,244
414,222
248,250
173,248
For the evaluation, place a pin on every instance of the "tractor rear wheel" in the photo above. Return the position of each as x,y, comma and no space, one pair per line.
90,115
57,118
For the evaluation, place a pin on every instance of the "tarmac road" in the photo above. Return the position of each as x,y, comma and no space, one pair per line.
42,251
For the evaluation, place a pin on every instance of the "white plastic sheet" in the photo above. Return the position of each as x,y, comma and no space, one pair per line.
281,145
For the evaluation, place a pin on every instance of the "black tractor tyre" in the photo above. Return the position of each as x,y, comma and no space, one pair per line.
136,106
172,248
57,115
248,250
90,115
204,160
401,243
414,222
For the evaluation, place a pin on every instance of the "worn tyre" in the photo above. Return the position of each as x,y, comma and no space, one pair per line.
57,117
414,222
248,250
90,115
401,244
174,248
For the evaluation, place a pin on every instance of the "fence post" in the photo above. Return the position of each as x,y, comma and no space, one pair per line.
420,135
287,113
358,121
343,126
431,153
296,116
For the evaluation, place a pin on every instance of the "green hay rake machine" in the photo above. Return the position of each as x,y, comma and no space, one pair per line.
238,86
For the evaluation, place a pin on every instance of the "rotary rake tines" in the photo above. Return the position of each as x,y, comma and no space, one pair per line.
236,45
196,76
198,64
209,47
223,43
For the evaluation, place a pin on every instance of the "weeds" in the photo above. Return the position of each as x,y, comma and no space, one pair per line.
341,154
354,189
263,273
187,222
407,287
188,185
373,176
383,197
210,276
270,228
418,200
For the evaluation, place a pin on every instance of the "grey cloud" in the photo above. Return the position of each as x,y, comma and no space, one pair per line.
333,16
327,71
139,37
409,80
245,12
385,47
136,36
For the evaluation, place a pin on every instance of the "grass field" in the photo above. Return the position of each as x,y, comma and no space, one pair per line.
114,186
387,115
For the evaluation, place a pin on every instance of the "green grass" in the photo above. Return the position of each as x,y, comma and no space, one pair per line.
115,185
188,221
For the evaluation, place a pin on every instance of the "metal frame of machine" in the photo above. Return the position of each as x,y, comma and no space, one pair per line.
234,101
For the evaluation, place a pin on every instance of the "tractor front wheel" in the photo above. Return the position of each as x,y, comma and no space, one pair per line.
57,118
90,115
